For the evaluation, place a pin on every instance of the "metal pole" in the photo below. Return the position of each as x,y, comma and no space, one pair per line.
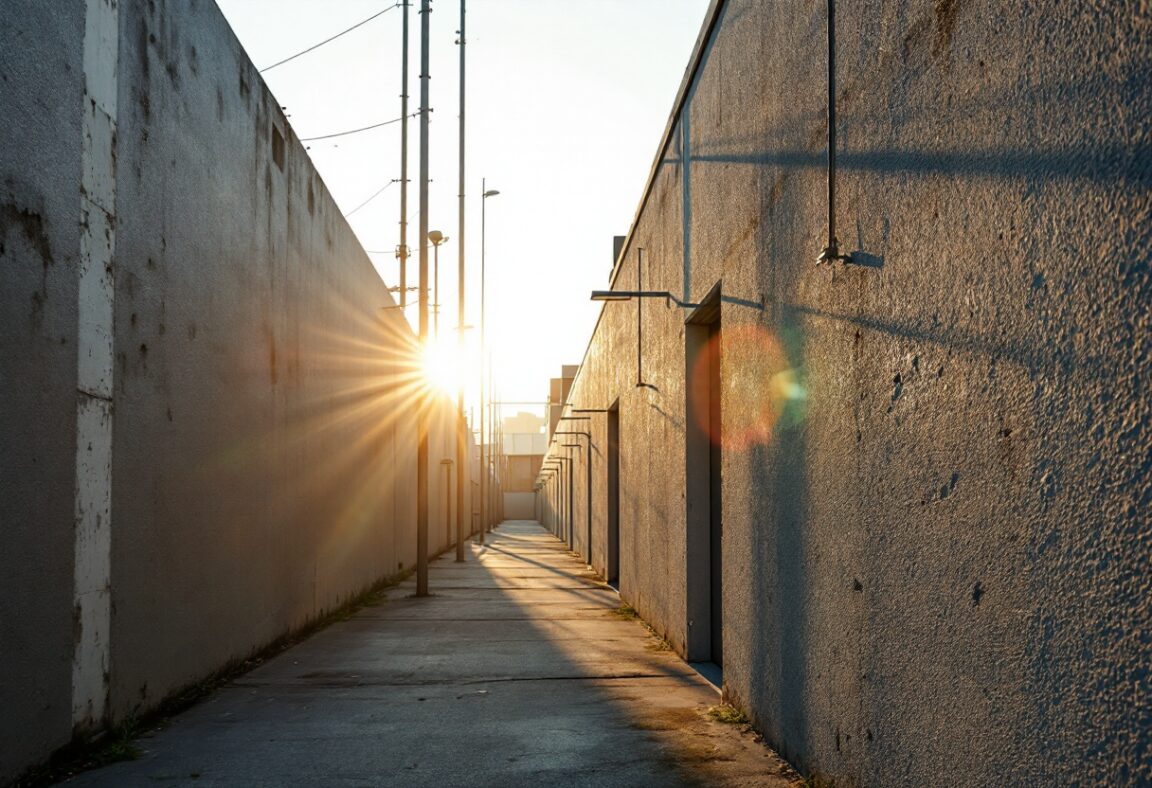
461,437
831,252
494,484
402,252
422,407
588,466
447,463
833,242
436,290
571,506
483,463
588,475
639,321
491,451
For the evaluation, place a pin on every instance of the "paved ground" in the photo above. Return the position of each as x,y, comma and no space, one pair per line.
516,672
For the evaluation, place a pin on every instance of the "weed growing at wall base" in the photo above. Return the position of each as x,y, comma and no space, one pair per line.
729,715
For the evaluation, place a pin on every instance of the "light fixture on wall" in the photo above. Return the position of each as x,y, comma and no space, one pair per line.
628,295
639,294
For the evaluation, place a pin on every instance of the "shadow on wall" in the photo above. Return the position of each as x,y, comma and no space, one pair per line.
779,591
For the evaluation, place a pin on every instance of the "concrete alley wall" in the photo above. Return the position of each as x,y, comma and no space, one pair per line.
209,408
934,460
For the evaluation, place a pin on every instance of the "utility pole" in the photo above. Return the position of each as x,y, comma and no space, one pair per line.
402,250
485,453
461,437
422,407
483,466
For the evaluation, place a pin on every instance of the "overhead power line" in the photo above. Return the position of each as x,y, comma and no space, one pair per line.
329,40
356,131
370,199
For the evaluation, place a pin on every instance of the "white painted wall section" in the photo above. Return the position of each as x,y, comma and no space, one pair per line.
93,524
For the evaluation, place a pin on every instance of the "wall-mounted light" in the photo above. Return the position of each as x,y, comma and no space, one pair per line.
628,295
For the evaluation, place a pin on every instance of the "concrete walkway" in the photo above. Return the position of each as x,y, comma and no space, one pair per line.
516,672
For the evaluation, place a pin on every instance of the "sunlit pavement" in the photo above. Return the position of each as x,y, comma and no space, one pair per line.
516,671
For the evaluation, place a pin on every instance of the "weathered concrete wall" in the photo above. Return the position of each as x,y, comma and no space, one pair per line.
935,464
253,395
40,93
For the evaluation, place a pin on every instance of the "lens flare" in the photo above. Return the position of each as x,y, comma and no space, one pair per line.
761,388
443,368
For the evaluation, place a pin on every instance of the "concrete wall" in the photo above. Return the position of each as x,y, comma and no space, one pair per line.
209,411
519,506
935,468
40,131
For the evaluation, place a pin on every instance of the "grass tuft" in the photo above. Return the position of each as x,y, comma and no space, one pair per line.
729,715
625,612
120,746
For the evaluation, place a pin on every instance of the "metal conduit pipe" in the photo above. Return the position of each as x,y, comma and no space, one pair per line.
831,252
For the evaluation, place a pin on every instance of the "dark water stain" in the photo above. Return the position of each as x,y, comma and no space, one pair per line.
29,224
945,25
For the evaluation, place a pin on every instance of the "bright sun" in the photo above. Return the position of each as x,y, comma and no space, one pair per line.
442,364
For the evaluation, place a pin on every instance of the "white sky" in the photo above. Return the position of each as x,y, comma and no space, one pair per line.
567,100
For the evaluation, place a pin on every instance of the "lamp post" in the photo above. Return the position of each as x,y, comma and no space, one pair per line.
485,194
437,238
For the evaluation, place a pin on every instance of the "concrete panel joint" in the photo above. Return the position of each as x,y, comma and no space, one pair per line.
92,570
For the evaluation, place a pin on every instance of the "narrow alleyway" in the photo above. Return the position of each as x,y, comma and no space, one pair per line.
521,669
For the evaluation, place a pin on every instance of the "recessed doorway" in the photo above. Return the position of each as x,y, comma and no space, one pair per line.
703,465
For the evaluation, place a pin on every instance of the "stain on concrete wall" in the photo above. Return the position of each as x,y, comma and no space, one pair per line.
41,94
258,358
242,458
935,473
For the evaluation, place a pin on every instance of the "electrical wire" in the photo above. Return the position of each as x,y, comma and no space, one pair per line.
328,40
356,131
381,190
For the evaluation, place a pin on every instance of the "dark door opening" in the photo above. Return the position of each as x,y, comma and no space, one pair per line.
703,494
613,559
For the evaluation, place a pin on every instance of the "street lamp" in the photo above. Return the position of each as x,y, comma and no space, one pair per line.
485,194
437,238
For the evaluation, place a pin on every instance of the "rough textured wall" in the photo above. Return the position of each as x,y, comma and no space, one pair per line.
266,397
40,94
935,465
263,394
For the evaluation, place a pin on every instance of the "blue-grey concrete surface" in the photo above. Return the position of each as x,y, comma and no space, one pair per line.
935,462
516,672
40,111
